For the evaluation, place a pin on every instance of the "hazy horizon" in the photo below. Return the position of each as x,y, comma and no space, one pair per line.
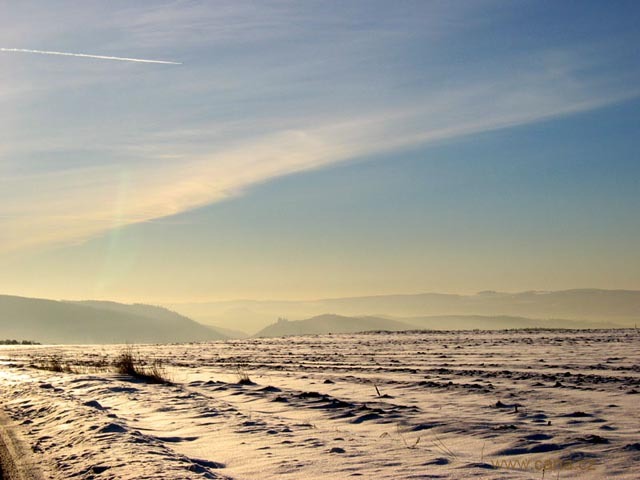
103,322
205,300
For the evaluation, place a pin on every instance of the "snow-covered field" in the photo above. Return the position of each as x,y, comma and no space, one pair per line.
527,404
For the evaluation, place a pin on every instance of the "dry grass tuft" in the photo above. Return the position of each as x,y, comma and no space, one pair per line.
130,363
54,363
243,377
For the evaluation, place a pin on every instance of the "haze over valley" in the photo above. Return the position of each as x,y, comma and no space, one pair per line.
48,321
582,308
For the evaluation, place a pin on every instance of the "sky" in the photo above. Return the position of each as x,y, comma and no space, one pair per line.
208,150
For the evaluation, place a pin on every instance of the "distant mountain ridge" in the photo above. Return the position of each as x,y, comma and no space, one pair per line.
51,321
620,307
331,323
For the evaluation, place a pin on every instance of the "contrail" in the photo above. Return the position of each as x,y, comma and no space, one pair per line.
86,55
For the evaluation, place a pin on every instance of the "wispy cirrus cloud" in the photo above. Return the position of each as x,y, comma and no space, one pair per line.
94,148
76,204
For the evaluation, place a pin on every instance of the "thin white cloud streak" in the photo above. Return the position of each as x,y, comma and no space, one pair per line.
86,55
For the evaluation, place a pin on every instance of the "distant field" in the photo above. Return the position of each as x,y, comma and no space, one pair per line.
502,404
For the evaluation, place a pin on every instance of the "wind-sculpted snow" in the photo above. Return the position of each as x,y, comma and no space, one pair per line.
510,404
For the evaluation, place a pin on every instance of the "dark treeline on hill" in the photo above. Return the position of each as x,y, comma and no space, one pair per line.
18,342
53,321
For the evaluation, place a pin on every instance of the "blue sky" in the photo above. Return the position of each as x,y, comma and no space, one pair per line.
311,149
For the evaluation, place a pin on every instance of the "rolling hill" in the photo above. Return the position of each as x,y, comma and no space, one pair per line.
330,323
50,321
